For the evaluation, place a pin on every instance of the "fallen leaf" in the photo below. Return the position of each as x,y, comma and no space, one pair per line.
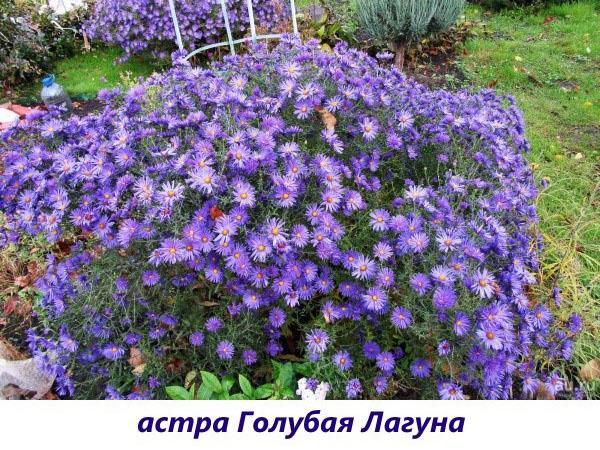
590,371
135,357
138,370
328,119
542,393
209,304
23,281
189,378
215,213
9,306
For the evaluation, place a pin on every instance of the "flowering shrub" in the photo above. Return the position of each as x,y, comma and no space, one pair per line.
287,202
146,25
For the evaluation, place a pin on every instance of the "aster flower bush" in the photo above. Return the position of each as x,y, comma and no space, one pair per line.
287,203
139,26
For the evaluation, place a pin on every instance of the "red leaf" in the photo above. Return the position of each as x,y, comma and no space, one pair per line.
9,306
215,213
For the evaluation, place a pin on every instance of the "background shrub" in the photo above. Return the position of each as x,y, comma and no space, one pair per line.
291,204
146,25
32,38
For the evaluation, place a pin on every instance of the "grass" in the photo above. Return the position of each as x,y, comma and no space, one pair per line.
84,74
549,61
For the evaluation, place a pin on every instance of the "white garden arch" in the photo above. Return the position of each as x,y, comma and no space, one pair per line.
230,42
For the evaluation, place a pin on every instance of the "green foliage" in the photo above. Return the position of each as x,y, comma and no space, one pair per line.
500,4
406,20
281,387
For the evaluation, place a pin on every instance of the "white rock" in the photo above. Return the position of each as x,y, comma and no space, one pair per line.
8,116
25,376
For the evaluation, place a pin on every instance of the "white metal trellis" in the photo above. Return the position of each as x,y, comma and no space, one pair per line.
231,42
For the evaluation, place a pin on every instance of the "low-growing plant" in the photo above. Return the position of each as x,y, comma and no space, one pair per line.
292,204
210,387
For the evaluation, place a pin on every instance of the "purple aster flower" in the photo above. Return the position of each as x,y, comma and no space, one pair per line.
461,324
375,299
442,275
113,352
150,278
575,323
483,284
418,242
420,283
197,339
490,337
66,341
401,318
554,384
317,341
277,317
363,268
225,350
353,388
450,391
249,357
385,361
342,360
379,220
371,350
444,348
369,128
380,384
420,368
213,324
444,298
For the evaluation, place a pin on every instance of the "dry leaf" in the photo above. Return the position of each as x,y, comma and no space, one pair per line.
23,281
328,119
209,304
542,393
135,357
138,370
590,371
215,213
9,306
189,378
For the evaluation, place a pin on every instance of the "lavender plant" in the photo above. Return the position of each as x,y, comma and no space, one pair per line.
398,22
287,202
146,25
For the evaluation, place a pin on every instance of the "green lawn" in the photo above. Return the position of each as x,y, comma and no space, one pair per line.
550,62
84,74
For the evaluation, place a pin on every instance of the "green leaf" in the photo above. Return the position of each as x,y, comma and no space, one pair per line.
227,383
245,385
286,376
264,391
288,393
238,396
177,393
211,381
204,392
